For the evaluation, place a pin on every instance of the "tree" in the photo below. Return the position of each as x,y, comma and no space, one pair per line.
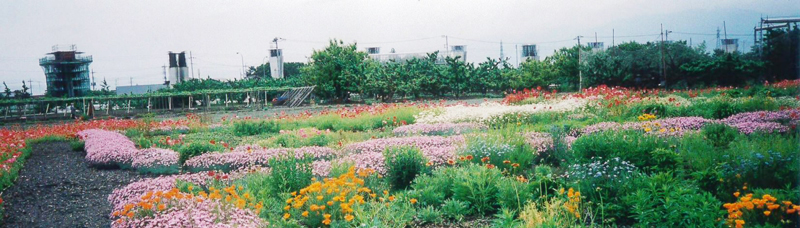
336,70
7,91
104,86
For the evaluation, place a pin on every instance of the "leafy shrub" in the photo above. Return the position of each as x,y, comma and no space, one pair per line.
289,173
513,193
631,146
432,189
663,200
477,185
603,180
455,209
196,148
665,160
255,127
429,215
769,169
506,218
76,145
319,140
719,134
403,164
396,214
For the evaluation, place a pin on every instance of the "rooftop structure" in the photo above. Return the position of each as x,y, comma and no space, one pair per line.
455,51
67,72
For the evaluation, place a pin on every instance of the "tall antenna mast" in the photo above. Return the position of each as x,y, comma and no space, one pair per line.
501,50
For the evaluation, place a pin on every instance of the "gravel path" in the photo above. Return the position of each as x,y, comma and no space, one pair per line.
57,189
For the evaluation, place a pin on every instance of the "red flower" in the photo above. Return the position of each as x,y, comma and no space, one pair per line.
212,142
485,159
211,173
469,157
490,166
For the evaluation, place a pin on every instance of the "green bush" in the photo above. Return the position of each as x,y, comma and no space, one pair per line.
76,145
665,160
196,148
478,186
720,135
255,127
403,164
289,173
429,215
632,146
455,209
433,189
662,200
513,194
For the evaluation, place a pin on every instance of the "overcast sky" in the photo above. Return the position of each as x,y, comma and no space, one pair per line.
130,39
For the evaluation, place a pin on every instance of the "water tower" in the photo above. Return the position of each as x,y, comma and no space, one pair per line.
596,46
67,72
177,67
729,45
529,52
373,50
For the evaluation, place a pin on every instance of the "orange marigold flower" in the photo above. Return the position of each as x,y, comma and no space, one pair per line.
506,162
413,201
304,214
348,217
736,194
286,216
767,213
515,165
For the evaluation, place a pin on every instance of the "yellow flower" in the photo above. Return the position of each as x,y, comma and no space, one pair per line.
767,213
286,216
348,217
413,201
304,214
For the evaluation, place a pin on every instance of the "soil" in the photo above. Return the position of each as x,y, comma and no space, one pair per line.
57,188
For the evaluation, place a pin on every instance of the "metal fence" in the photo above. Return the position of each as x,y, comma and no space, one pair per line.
127,106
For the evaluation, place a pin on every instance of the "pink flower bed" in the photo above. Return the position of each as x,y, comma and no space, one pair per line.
437,129
193,213
369,154
746,123
156,158
107,147
541,142
249,155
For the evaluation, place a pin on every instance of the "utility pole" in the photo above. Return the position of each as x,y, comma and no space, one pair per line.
31,83
663,68
613,38
131,81
166,81
191,61
94,83
580,73
446,44
501,50
516,54
726,35
244,73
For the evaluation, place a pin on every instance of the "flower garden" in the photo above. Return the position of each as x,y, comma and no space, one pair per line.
719,157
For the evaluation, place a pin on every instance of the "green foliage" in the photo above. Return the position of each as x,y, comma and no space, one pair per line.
76,145
455,209
633,146
430,215
336,70
720,135
396,214
432,189
664,200
477,185
192,149
505,219
665,160
289,173
403,164
512,194
255,127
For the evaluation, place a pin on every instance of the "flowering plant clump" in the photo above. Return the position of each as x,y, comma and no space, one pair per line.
156,160
108,148
646,117
573,202
487,110
173,208
232,160
599,171
437,129
766,208
541,142
332,199
369,154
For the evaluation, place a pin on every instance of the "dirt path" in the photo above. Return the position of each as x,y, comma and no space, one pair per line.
57,189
